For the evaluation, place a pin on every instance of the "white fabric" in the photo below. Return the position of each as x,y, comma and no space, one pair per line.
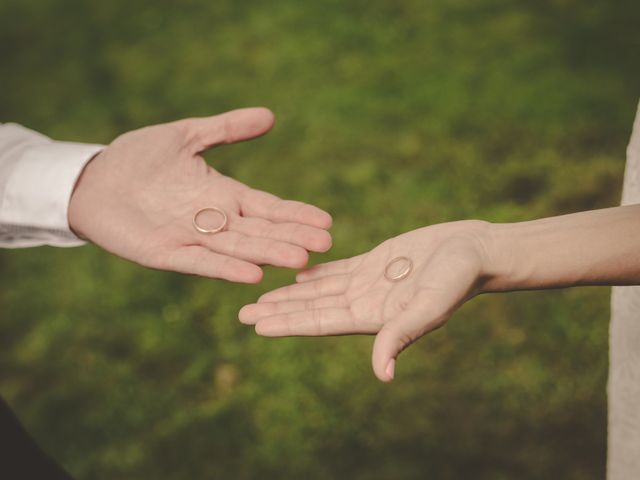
623,456
37,176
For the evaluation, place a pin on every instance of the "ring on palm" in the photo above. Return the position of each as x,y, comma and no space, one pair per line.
217,229
398,268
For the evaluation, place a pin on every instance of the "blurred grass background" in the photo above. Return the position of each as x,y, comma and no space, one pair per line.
391,115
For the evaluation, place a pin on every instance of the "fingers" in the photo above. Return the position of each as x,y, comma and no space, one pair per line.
332,285
310,238
321,321
252,313
337,267
398,334
198,260
256,203
230,127
256,250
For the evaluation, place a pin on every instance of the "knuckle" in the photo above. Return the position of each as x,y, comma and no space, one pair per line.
226,130
297,233
270,250
265,229
317,288
317,321
235,245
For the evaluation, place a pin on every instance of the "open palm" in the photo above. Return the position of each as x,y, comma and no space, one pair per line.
138,197
353,296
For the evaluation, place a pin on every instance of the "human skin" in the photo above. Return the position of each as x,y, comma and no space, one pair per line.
137,199
452,263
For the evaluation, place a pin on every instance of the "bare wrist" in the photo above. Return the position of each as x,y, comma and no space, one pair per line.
78,201
499,265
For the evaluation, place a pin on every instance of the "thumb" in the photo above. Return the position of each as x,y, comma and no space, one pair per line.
230,127
396,335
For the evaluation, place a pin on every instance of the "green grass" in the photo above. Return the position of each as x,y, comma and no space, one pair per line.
391,115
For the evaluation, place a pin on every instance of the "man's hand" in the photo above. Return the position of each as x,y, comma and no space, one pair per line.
137,199
353,296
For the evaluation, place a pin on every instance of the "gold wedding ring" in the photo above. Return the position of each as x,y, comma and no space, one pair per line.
217,229
398,268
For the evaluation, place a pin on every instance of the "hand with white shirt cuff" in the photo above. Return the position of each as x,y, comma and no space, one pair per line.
37,176
139,198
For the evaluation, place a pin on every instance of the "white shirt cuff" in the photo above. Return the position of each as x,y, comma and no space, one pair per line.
36,197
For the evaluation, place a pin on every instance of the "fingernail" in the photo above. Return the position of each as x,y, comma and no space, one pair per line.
391,367
242,314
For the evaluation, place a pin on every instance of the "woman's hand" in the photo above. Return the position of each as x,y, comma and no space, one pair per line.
452,262
353,296
138,197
